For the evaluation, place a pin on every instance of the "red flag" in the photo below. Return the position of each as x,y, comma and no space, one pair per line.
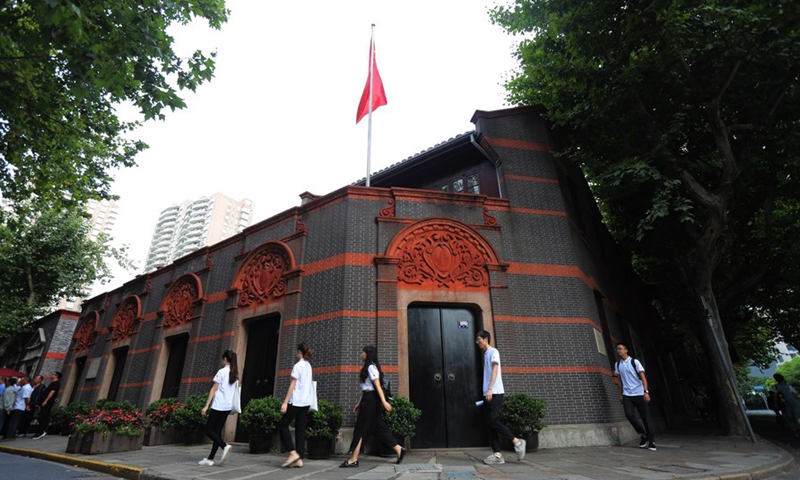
378,95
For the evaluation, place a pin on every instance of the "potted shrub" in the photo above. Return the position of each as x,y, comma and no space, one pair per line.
260,418
523,414
62,418
323,425
190,419
402,420
161,424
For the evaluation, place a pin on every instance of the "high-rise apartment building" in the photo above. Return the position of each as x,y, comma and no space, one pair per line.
104,216
182,229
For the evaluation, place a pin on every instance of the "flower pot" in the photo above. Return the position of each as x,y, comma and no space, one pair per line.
260,442
96,443
319,448
193,437
161,436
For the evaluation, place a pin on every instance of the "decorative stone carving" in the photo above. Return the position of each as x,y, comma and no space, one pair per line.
124,323
390,210
262,276
301,228
86,332
488,219
179,304
440,254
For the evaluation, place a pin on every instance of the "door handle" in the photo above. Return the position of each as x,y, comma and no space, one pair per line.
451,377
437,377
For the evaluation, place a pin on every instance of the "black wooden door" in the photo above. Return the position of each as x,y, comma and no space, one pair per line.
444,377
176,348
261,361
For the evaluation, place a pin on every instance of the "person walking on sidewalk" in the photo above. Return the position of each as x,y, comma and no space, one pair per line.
493,393
220,398
370,417
50,399
634,394
295,407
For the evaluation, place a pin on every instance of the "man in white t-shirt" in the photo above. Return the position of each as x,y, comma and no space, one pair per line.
493,393
634,394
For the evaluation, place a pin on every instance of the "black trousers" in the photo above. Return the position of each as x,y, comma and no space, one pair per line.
300,415
44,418
13,423
216,421
370,420
638,403
491,416
25,424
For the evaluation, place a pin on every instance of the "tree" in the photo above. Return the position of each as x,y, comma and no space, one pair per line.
683,115
44,256
64,66
791,372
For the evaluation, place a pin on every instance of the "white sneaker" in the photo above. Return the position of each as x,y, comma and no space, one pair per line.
643,443
520,449
494,460
42,435
206,462
225,452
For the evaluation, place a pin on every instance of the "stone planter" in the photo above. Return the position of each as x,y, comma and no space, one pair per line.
162,436
319,448
95,443
264,443
75,444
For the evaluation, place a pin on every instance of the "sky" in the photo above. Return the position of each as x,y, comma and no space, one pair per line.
278,118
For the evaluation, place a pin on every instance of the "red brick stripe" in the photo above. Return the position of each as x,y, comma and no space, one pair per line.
532,179
340,369
56,355
212,337
197,380
340,313
518,144
538,212
551,270
353,259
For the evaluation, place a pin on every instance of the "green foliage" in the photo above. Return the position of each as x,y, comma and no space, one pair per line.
791,372
402,420
191,417
522,414
65,65
123,418
161,413
683,116
325,422
261,415
61,418
45,254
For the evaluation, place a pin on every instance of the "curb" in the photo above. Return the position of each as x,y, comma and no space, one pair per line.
115,469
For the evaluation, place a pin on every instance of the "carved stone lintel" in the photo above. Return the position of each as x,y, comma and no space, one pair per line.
86,332
441,255
124,322
180,302
263,277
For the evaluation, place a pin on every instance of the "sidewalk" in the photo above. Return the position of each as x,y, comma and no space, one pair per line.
679,456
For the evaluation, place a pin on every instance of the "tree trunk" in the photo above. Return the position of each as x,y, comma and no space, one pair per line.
730,415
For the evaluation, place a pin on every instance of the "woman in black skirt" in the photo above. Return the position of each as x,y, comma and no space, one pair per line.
370,415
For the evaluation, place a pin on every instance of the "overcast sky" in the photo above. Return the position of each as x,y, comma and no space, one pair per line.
278,119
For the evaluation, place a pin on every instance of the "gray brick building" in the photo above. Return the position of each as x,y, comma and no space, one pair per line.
488,230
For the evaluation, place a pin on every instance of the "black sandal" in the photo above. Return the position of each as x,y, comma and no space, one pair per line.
347,464
401,456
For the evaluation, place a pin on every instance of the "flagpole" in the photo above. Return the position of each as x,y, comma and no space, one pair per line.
369,121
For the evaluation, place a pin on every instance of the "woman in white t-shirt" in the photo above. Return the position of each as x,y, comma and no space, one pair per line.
220,398
295,407
370,416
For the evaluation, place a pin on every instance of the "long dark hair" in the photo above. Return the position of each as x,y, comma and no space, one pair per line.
230,356
372,358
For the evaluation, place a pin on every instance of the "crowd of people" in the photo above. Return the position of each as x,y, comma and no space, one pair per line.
25,407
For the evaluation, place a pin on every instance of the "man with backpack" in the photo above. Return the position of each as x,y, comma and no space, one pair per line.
634,394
